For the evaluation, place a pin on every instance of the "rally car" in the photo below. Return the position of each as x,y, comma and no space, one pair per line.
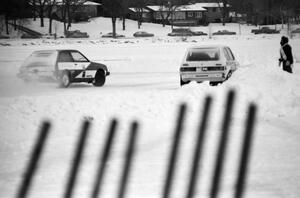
64,67
213,63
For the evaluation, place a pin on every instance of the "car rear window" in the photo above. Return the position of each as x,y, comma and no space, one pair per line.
203,54
47,58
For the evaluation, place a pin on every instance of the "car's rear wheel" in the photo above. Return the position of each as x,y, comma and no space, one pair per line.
65,79
183,82
229,75
99,78
215,83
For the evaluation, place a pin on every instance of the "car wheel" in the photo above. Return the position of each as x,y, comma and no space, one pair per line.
229,75
183,82
99,78
214,83
65,79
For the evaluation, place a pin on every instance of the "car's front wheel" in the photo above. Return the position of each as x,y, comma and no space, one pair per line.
65,79
99,78
183,82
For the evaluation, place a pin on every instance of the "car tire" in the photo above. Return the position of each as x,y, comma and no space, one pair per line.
229,75
99,79
65,79
214,83
183,82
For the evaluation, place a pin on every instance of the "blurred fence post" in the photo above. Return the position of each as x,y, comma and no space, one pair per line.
34,161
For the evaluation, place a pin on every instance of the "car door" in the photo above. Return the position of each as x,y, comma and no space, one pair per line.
230,59
82,63
65,61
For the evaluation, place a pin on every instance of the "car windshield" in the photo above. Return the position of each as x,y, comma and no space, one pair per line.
41,58
203,54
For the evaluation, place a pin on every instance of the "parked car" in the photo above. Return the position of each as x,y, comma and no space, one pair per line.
110,35
296,31
224,32
142,34
4,37
213,63
64,67
76,34
265,30
185,32
29,36
181,32
199,33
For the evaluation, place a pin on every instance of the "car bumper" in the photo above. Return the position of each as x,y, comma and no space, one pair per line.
199,77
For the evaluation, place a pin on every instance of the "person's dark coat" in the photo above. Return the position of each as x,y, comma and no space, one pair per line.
286,55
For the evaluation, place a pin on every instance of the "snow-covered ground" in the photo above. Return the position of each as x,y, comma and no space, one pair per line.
144,86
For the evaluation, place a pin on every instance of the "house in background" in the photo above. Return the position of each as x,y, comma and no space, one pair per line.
185,15
134,13
80,12
214,11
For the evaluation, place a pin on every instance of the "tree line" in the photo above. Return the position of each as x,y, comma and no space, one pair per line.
256,11
17,10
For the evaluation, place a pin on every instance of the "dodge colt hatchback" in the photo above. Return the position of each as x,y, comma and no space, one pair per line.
63,66
207,63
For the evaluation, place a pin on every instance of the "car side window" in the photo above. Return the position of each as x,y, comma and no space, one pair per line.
226,54
78,57
230,53
65,57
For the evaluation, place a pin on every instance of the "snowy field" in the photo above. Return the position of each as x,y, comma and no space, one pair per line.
144,86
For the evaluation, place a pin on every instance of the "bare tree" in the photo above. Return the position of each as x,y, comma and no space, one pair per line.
41,10
124,11
114,9
51,4
223,5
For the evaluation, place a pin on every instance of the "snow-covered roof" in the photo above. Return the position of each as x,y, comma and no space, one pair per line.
209,5
59,2
91,3
136,9
192,7
158,8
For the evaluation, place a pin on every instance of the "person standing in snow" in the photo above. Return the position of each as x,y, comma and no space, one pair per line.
286,56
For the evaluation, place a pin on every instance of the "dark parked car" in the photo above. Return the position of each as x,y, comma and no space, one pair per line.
181,32
143,34
186,32
4,37
76,34
62,66
110,35
265,30
296,31
224,32
199,33
29,36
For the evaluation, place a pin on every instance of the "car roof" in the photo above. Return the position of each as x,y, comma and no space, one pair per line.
55,50
206,46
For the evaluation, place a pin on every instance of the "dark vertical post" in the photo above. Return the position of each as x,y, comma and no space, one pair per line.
128,160
222,146
198,149
34,160
103,159
76,160
244,158
174,152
